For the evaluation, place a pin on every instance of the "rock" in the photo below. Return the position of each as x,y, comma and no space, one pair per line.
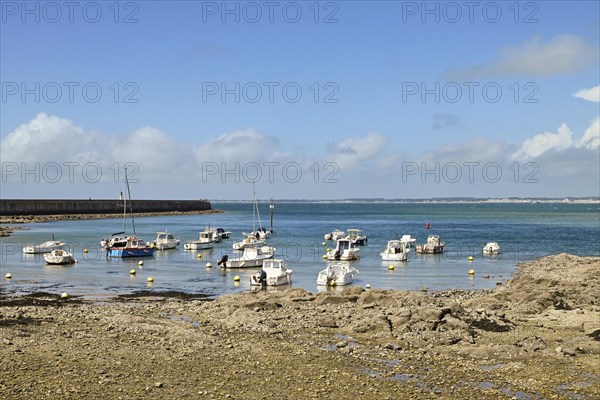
159,385
327,323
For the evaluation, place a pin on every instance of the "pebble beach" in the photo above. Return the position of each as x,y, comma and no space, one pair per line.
535,337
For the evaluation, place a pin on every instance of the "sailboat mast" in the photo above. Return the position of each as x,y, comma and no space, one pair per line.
124,209
256,207
253,206
130,207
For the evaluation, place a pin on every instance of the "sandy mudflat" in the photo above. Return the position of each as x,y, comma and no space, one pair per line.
537,337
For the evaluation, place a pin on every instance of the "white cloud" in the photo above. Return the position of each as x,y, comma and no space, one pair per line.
563,54
591,136
51,139
544,142
592,94
242,146
352,153
48,138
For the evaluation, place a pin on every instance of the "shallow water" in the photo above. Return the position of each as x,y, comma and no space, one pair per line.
524,231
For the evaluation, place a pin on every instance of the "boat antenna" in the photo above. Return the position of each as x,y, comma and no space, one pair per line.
130,207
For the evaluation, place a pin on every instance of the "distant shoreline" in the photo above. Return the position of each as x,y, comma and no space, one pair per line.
426,201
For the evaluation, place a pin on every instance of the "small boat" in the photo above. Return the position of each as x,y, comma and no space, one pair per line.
58,257
337,274
356,237
273,273
132,247
261,233
396,250
344,251
206,240
249,241
252,257
127,246
223,234
409,240
433,246
165,241
334,235
492,248
45,247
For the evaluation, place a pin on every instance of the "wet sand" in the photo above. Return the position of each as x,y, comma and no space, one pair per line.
536,337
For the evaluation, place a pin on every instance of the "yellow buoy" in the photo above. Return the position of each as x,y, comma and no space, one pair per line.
471,272
132,272
236,278
150,279
8,275
208,265
64,295
85,251
324,256
368,286
140,263
199,256
328,249
391,267
470,258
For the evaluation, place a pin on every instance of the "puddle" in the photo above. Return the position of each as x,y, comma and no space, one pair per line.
182,318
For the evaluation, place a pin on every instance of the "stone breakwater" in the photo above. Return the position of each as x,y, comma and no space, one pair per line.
536,337
10,207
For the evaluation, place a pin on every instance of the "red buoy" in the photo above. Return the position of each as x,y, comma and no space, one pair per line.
427,225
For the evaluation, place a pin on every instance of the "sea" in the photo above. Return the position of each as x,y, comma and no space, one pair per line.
525,232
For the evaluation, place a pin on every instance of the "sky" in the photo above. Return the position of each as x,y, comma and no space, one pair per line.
307,99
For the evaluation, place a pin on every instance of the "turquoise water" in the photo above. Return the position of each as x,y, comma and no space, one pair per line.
524,231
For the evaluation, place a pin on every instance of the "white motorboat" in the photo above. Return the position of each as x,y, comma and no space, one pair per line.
409,240
396,250
252,257
344,251
223,234
59,257
45,247
337,274
335,235
434,245
206,240
165,241
249,241
492,248
274,272
356,237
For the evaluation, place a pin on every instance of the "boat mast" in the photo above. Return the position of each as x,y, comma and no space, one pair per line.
124,209
256,207
130,207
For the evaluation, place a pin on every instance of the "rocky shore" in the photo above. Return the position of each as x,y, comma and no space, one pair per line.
536,337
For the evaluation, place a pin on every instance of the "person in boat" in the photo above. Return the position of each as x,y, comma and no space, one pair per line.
223,261
262,277
337,255
257,235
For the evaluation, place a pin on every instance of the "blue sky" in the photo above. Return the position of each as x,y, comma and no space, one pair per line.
361,126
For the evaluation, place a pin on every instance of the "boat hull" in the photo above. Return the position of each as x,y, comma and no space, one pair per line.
246,263
199,245
271,280
394,257
59,259
166,246
125,252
